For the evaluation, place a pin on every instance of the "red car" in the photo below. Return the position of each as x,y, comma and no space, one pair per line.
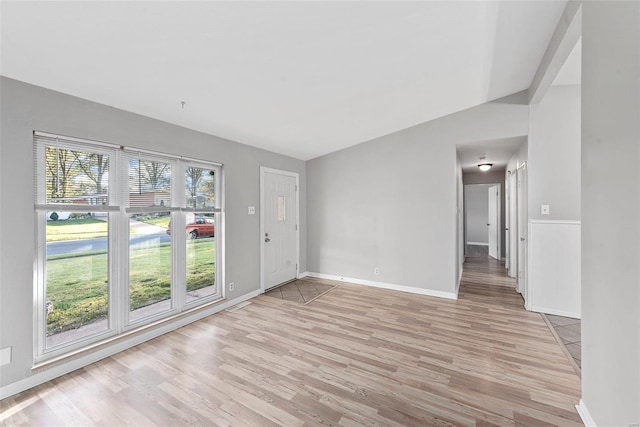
200,227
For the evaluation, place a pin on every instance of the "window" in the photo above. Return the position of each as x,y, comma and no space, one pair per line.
149,194
200,185
109,257
75,198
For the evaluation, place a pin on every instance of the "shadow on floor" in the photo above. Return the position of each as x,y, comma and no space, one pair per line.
302,291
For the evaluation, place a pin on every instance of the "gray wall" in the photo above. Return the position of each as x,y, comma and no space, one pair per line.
460,247
554,155
26,108
391,202
611,212
476,203
495,176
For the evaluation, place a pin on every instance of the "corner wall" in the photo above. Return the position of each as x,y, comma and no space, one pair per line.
611,213
391,202
554,282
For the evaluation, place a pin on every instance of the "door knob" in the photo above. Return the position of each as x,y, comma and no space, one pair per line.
522,239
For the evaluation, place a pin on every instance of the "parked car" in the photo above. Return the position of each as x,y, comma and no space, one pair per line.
199,227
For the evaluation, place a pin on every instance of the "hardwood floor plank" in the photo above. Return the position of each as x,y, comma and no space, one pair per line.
356,356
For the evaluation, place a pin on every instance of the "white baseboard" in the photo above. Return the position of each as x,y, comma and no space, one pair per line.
391,286
459,281
303,275
82,361
477,243
585,415
555,312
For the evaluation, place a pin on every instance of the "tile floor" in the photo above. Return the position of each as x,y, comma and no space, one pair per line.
568,331
302,291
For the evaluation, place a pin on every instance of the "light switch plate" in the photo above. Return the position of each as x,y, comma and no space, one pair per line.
251,210
544,210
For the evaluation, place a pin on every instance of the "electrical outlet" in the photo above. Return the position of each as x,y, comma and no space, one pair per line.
251,210
232,286
376,270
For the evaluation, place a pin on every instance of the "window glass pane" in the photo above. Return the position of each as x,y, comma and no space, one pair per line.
77,279
77,177
149,183
201,256
149,265
200,185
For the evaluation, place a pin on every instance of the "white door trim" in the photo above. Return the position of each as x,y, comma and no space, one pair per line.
264,170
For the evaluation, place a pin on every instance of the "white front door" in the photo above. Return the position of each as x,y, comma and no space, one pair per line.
493,221
279,227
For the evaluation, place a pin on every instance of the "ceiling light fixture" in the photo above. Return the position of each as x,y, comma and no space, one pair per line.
485,166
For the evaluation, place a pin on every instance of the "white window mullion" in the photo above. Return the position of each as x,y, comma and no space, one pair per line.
120,252
39,300
220,245
178,239
39,283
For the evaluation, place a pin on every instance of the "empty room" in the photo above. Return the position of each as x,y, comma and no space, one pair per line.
292,213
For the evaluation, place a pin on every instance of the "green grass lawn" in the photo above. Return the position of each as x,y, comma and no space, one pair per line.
77,286
162,221
76,229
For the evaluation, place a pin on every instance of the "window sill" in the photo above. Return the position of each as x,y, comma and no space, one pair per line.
58,360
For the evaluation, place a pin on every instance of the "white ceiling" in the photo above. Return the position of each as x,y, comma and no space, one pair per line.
497,152
298,78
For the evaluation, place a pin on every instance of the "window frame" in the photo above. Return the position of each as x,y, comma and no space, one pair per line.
118,249
219,230
129,156
41,141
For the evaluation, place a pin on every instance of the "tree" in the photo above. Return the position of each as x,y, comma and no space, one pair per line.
145,176
94,167
60,165
156,174
194,175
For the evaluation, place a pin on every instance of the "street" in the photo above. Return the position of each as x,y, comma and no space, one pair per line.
74,246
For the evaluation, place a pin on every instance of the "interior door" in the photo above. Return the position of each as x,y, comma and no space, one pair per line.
522,230
493,221
279,231
513,229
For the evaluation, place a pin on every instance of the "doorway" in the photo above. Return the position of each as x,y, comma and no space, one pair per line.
482,207
279,235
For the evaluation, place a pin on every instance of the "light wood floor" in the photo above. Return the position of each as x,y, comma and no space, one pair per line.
357,356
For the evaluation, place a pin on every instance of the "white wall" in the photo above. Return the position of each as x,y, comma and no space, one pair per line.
554,269
460,248
26,108
611,212
554,154
476,202
391,202
554,179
